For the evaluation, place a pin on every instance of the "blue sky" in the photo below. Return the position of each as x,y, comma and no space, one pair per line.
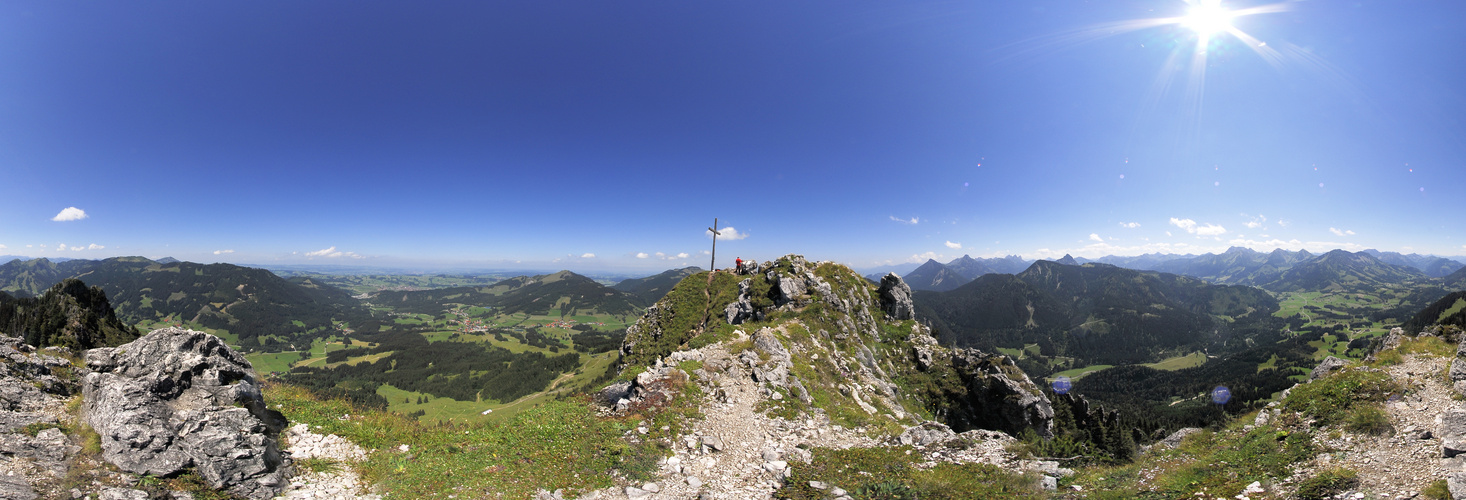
593,135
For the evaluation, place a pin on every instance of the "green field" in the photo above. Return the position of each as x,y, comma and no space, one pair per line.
445,409
1078,373
1192,360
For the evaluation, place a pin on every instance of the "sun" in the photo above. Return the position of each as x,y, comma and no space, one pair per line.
1207,17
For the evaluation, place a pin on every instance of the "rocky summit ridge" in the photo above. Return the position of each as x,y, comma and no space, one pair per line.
798,356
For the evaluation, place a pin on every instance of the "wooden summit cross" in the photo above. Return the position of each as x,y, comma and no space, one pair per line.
713,266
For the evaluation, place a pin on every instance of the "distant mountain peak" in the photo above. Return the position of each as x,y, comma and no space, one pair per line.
1068,260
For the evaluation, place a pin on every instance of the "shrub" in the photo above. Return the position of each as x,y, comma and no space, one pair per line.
1368,419
1327,483
1437,491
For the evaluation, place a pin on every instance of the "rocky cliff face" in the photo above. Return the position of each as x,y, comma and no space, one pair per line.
817,336
177,399
810,355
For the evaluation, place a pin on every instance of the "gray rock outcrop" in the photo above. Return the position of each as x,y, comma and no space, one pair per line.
1325,367
1452,424
177,399
926,434
896,298
1000,396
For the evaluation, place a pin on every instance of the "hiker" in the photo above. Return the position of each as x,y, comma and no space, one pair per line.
738,264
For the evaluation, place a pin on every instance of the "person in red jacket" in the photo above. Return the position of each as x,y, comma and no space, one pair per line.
738,265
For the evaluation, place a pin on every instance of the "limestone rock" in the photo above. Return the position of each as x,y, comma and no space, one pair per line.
790,288
926,434
1175,438
896,298
1452,424
1456,483
178,398
999,395
1325,367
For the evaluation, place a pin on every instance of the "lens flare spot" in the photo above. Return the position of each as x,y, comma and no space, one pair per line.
1062,385
1320,184
1122,176
1221,395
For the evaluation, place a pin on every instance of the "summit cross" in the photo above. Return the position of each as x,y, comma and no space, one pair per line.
713,265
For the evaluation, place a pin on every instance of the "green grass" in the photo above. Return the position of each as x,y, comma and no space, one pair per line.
267,362
1078,373
891,473
560,444
1328,399
1174,363
1220,464
1327,483
1455,308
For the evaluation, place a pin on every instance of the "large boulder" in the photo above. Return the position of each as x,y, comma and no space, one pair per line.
177,399
1452,425
896,298
1325,367
999,396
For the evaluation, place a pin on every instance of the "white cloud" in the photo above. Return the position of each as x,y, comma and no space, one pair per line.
1095,237
1200,230
2,247
913,220
642,255
1210,230
70,213
954,246
332,253
1129,225
95,246
923,257
728,233
705,252
1255,222
587,255
222,252
1337,232
322,253
682,255
1168,233
661,255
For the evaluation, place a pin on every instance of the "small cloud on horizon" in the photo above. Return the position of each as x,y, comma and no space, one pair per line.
587,255
1129,225
642,255
1096,237
1337,232
222,252
332,253
70,214
954,246
912,221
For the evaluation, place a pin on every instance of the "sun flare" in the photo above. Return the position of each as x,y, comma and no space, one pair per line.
1208,17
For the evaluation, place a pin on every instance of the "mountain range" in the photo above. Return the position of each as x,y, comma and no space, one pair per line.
1098,313
565,292
251,303
1236,266
650,289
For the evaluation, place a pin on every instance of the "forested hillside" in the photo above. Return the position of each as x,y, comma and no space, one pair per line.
1098,313
255,305
650,289
565,292
69,314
